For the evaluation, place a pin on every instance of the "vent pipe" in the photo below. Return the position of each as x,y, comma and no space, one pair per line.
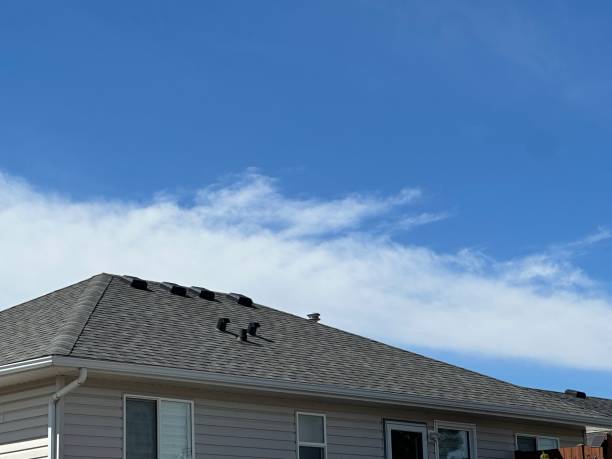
222,324
243,335
253,326
314,317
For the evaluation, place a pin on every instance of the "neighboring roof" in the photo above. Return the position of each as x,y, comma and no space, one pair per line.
598,404
104,318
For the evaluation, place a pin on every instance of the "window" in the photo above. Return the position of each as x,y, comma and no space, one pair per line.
456,441
157,428
311,436
404,440
525,442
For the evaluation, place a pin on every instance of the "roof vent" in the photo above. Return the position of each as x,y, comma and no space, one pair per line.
243,335
135,282
222,323
204,293
315,317
575,393
241,299
253,326
175,289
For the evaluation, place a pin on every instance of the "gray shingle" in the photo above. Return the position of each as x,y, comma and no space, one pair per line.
104,318
598,404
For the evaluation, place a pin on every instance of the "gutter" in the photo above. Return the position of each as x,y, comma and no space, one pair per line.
326,391
32,364
55,398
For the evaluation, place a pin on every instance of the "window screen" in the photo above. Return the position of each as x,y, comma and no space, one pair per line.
311,436
158,428
454,444
140,429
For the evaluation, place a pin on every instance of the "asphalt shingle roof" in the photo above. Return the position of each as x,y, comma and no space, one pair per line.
104,318
598,404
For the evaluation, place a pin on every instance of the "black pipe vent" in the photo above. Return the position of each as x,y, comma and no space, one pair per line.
204,293
136,282
575,393
175,289
253,326
242,336
222,324
314,317
241,299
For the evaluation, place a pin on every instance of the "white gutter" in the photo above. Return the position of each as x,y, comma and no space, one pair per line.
319,390
52,427
25,365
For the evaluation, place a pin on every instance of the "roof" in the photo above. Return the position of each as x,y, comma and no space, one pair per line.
598,404
105,319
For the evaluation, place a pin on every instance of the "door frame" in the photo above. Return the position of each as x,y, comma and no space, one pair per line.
406,427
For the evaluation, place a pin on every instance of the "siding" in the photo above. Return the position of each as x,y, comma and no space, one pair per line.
23,422
246,426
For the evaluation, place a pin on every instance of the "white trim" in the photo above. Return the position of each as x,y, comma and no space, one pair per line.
25,365
319,390
537,437
158,400
250,383
405,427
299,443
469,428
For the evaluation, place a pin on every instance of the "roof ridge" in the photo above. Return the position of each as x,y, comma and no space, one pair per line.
68,334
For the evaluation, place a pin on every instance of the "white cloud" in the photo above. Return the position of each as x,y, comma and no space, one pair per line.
303,255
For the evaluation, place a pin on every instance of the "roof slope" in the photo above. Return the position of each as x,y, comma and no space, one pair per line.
104,318
598,404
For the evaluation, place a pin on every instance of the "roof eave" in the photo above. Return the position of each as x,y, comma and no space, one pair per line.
325,391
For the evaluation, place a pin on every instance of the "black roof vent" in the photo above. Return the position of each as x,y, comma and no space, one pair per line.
242,336
315,317
241,299
575,393
175,289
253,326
136,282
204,293
222,323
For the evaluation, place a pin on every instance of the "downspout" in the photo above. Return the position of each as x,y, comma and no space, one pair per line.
53,409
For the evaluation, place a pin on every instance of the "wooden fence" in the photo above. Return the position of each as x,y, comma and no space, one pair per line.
576,452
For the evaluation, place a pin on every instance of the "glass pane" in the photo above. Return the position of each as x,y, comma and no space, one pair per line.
547,443
454,444
141,429
311,428
310,452
406,445
526,443
175,430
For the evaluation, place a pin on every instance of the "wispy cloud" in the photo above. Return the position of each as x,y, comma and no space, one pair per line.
312,254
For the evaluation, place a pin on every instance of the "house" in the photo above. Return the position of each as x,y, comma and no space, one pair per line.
597,436
118,367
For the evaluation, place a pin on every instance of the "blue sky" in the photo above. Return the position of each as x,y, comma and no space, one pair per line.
495,116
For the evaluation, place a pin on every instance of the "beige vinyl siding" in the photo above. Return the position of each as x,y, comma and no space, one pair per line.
24,421
232,425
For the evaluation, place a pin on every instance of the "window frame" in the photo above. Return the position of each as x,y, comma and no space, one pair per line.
470,428
406,426
158,401
537,437
299,443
